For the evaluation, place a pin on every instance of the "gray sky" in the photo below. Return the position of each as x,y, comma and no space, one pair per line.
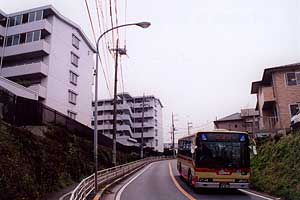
199,56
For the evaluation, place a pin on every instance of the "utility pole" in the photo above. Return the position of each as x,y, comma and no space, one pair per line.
190,125
114,151
142,133
173,135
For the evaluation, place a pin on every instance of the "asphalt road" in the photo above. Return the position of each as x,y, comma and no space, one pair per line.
155,182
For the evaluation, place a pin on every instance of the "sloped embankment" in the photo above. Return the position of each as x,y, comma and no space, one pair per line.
32,165
276,168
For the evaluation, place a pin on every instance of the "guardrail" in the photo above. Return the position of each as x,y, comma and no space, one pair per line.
86,186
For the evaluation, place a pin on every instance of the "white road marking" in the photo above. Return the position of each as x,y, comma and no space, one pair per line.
257,195
118,197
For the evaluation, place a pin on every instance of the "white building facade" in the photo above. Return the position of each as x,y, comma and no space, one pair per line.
50,55
129,120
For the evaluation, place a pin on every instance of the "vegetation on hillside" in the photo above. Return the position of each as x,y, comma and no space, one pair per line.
32,165
276,168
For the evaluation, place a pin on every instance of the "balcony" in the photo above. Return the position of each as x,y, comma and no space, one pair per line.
146,114
37,69
27,50
32,26
146,124
149,134
119,127
38,88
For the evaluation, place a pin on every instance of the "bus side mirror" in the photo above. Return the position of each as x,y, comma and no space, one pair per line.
253,148
193,149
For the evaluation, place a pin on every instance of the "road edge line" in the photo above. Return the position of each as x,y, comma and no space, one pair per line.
118,196
190,197
257,195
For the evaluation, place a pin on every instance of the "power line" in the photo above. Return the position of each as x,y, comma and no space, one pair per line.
103,47
125,22
91,22
112,23
93,30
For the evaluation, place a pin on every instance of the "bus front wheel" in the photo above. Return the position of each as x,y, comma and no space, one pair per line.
190,179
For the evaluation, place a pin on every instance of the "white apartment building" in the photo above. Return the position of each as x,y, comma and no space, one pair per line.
50,55
129,120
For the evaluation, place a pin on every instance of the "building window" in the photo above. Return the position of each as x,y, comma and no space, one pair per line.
16,40
155,122
155,113
29,37
294,108
22,38
156,142
31,17
25,18
72,114
9,41
293,78
74,59
156,132
72,97
38,15
75,41
36,35
73,78
18,20
12,21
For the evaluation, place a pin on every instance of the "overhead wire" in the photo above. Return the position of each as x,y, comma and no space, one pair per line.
102,44
111,23
101,64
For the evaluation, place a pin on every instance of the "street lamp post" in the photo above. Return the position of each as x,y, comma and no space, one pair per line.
140,24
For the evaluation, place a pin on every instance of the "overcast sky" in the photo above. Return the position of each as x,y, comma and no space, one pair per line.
199,57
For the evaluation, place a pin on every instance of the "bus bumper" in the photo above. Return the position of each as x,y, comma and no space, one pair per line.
221,185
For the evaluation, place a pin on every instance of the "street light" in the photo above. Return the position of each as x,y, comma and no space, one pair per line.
140,24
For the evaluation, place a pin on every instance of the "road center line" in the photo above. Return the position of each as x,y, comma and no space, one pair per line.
190,197
257,195
118,196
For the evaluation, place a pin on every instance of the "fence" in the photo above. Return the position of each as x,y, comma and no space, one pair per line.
87,185
20,111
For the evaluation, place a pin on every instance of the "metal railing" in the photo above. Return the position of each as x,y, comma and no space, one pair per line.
86,186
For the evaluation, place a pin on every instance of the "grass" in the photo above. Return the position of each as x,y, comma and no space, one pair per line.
32,166
276,168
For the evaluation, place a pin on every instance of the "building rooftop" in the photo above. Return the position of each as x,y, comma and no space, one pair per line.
235,116
267,75
49,9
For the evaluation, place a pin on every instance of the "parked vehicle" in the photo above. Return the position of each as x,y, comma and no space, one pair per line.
295,121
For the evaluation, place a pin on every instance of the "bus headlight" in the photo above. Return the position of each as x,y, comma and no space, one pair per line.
244,173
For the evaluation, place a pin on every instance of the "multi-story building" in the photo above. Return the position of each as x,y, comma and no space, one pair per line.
50,55
246,120
278,96
129,120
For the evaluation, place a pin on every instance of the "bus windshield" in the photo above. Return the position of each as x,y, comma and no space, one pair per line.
220,152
